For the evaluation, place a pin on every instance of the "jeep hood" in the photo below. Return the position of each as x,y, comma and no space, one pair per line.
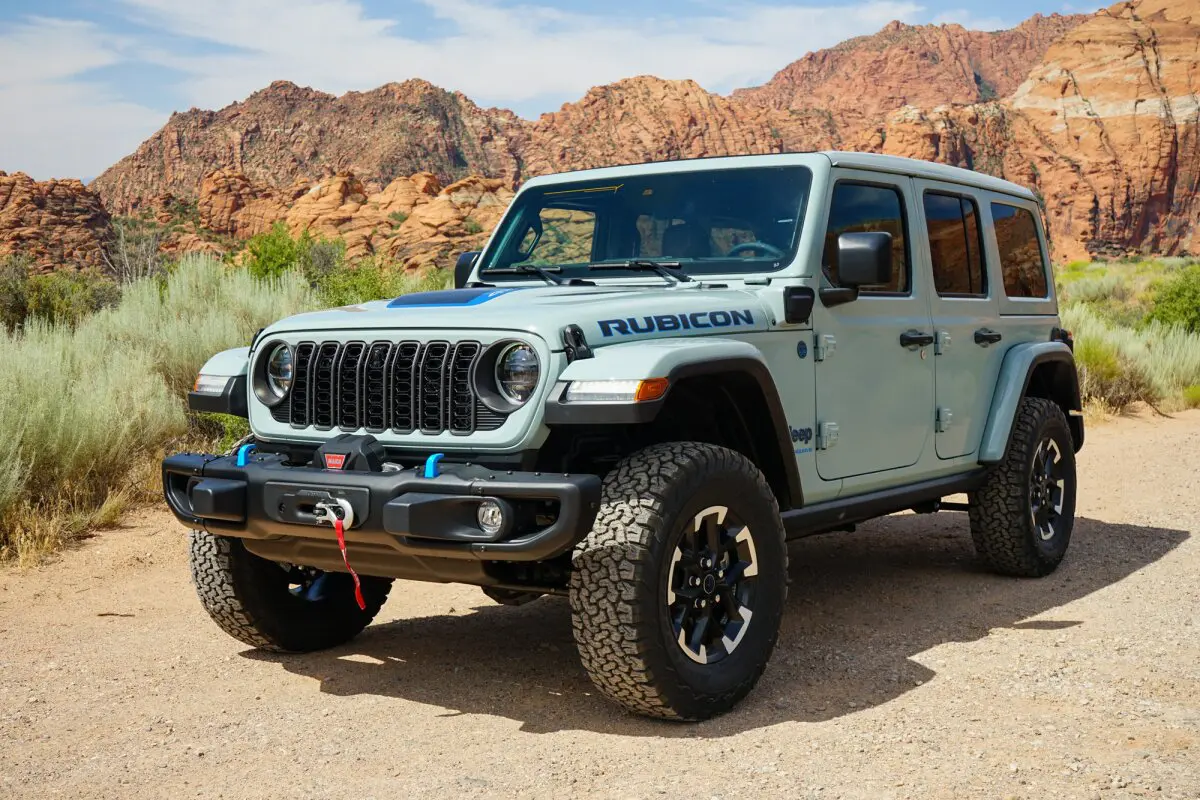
606,314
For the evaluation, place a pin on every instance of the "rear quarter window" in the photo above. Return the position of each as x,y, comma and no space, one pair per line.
1022,262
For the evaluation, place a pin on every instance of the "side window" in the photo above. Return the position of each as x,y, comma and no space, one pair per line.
955,246
860,207
566,237
1021,257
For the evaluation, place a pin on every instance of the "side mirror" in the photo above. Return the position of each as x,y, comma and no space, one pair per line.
864,259
463,268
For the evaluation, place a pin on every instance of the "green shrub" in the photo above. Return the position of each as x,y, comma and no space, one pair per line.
1108,378
67,298
14,291
398,217
271,254
1167,354
321,257
1191,396
373,279
472,226
1176,301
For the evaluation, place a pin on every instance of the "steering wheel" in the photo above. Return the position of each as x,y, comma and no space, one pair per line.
767,249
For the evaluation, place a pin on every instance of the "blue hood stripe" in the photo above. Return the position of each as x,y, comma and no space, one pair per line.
450,298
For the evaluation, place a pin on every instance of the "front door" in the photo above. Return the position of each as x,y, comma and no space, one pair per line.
874,370
965,315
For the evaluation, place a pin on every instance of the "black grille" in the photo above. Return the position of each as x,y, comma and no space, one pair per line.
378,386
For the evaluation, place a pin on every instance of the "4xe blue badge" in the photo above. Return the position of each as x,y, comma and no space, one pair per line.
802,349
631,326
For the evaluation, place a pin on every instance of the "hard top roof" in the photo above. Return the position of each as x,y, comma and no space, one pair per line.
873,161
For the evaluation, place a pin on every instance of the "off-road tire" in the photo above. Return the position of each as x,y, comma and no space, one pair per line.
620,611
1002,523
247,596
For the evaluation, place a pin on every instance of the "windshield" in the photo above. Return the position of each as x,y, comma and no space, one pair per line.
707,222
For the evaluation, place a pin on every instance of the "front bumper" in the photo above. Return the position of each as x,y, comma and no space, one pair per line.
403,512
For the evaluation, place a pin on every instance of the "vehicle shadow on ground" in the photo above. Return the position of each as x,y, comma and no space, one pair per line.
860,607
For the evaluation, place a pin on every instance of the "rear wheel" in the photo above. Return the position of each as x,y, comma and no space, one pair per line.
678,590
1022,516
279,607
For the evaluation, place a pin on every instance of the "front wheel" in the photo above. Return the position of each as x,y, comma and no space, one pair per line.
678,591
1022,516
279,607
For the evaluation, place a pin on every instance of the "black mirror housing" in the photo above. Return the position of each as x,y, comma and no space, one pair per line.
463,268
864,259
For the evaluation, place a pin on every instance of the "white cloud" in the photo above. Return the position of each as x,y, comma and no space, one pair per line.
496,54
56,125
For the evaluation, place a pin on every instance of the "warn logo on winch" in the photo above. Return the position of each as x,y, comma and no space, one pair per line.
335,460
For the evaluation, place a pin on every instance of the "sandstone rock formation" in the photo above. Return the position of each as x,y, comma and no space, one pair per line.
56,223
1108,126
284,133
413,221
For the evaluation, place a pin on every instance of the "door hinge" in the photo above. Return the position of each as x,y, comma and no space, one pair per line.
941,343
827,435
943,420
825,345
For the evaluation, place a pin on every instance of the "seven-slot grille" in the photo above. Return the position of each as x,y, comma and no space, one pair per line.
403,387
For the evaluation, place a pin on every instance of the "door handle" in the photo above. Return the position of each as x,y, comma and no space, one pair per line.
986,336
914,338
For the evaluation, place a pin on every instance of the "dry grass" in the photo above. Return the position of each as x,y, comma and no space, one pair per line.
87,411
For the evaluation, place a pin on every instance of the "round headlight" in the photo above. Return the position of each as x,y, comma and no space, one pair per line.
517,373
279,371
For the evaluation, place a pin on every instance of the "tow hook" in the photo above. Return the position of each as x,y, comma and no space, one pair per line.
340,514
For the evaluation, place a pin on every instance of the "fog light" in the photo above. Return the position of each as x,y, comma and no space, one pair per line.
491,517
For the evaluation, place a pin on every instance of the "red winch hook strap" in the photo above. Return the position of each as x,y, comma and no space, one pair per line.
339,529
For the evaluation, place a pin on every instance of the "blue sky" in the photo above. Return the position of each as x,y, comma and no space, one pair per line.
83,82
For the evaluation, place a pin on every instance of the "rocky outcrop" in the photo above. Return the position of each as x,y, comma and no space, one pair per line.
286,133
856,85
413,221
1108,126
56,223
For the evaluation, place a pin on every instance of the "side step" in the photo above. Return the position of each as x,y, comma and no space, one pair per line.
845,511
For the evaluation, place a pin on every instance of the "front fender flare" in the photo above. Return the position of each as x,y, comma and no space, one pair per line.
676,360
1012,385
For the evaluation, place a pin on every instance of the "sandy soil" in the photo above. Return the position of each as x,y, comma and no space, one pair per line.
903,670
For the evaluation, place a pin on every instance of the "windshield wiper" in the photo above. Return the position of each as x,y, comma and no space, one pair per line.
665,268
545,273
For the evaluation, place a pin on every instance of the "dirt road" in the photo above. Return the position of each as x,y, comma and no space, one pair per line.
902,671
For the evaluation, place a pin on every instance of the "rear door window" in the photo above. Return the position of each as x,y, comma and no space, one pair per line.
955,245
1022,262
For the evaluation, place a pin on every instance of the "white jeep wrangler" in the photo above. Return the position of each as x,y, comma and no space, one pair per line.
650,379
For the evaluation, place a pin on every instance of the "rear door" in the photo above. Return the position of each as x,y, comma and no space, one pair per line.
874,394
965,309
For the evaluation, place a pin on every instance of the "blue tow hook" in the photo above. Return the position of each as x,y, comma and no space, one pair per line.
432,470
243,456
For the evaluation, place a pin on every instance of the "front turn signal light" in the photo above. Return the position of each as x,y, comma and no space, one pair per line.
618,391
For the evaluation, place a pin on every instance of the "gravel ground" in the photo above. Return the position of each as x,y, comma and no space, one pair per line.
903,670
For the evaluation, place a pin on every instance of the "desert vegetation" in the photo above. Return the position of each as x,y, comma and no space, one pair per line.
1137,331
96,370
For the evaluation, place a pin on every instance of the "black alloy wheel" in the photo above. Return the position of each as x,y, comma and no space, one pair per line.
711,586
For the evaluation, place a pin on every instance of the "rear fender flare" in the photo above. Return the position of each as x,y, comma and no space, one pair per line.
1020,364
